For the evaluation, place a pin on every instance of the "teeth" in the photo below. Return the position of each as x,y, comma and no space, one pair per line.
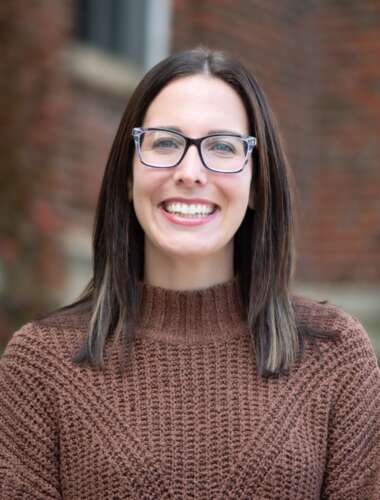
191,210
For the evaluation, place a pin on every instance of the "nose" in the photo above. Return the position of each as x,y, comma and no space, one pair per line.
191,169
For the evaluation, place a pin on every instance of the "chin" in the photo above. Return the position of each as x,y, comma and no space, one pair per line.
193,251
188,253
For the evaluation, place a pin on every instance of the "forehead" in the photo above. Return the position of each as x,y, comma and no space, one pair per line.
198,101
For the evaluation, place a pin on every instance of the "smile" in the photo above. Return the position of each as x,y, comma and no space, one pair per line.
189,215
189,210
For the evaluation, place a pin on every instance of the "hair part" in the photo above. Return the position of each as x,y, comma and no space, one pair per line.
264,251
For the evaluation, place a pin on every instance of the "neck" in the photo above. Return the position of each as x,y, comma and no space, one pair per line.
186,272
194,316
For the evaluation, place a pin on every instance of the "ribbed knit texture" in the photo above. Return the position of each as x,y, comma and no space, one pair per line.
189,418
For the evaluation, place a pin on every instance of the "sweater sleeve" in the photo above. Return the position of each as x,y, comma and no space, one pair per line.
29,463
353,445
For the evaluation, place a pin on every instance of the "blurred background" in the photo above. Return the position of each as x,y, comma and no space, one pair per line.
67,70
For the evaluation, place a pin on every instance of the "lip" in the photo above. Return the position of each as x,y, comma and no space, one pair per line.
194,221
189,201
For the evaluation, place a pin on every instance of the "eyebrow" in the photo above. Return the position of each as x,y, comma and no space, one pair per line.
214,131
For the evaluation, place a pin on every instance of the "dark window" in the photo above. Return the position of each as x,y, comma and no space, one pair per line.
114,26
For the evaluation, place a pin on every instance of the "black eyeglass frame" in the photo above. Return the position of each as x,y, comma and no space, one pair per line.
250,141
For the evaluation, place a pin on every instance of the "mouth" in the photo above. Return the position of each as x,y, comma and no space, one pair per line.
189,215
189,210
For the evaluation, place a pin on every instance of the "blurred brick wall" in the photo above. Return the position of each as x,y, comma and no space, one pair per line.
342,198
55,136
318,64
32,102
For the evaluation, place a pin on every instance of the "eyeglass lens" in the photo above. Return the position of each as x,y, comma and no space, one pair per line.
164,149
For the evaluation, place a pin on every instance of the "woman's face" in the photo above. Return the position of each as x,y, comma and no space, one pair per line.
195,105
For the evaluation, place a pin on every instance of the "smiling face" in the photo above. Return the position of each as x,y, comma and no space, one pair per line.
195,105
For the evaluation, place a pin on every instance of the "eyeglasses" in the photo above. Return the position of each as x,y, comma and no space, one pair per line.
163,148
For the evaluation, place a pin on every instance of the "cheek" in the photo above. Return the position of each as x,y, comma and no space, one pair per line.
143,184
147,189
238,194
237,189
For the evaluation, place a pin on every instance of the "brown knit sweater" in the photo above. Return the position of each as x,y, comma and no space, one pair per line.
189,417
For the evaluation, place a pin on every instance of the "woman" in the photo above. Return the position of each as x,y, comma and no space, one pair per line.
188,369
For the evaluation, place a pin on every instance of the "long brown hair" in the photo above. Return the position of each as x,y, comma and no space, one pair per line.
263,244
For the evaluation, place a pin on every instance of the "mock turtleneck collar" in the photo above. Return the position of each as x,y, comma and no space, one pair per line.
194,316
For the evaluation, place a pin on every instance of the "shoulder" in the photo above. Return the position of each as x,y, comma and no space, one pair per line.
55,335
343,338
320,315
